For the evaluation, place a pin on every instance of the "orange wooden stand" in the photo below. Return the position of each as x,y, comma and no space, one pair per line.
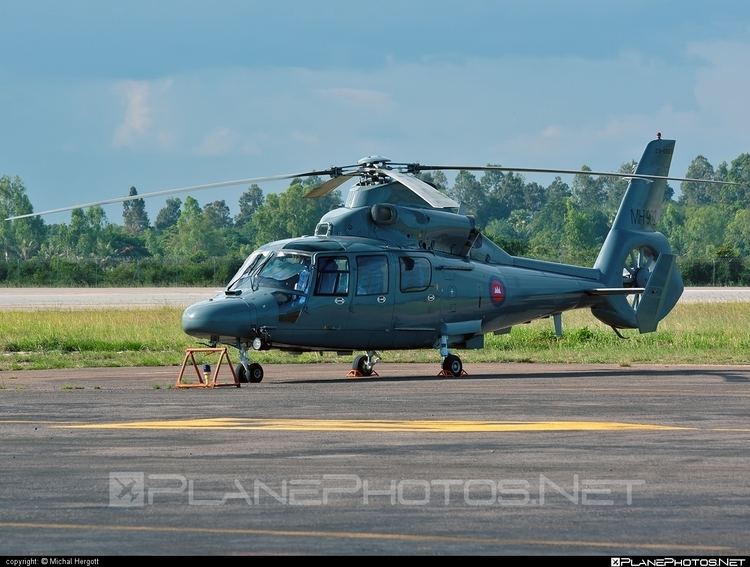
211,381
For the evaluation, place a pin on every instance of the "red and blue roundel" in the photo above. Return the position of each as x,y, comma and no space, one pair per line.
497,291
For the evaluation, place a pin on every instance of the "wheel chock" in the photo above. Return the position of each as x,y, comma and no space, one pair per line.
445,374
206,379
357,374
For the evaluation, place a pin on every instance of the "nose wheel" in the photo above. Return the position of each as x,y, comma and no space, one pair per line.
254,376
247,371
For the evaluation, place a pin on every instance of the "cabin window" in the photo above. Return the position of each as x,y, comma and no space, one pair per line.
372,275
416,273
333,276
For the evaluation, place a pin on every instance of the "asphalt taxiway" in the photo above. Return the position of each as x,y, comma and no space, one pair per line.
515,458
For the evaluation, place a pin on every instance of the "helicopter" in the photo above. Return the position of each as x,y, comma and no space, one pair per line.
399,267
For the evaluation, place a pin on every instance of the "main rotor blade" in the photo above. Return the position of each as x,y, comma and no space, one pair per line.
426,191
324,188
173,191
419,167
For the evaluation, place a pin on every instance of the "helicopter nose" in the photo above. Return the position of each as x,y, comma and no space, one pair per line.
218,318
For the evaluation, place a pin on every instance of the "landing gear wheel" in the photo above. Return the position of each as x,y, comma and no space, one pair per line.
452,365
256,373
362,365
239,371
255,376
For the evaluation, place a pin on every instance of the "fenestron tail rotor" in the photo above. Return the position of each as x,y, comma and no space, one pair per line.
639,264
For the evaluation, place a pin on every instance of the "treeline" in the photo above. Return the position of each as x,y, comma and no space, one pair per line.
186,244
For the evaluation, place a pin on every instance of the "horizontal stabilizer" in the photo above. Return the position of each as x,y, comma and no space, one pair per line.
615,290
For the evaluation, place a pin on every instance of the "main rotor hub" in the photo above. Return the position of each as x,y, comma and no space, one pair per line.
373,161
366,166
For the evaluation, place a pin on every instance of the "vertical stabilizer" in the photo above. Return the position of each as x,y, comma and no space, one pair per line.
636,255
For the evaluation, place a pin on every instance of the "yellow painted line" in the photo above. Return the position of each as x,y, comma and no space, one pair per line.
365,425
364,535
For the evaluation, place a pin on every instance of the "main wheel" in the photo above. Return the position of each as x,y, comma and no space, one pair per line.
256,373
361,365
239,370
452,365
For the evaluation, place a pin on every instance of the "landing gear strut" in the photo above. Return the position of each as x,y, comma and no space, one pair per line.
452,365
247,372
364,364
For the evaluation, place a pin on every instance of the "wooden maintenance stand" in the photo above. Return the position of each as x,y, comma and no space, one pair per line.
204,381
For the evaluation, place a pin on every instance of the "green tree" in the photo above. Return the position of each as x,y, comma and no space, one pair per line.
217,214
510,234
546,229
738,232
693,192
534,197
134,214
506,193
587,190
435,178
20,238
470,194
194,237
738,196
705,228
672,225
583,233
614,187
289,214
557,190
85,236
250,200
169,214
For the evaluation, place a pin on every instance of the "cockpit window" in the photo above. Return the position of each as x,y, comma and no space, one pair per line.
286,271
372,275
415,273
333,276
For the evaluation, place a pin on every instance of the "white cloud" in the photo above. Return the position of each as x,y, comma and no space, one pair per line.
137,117
527,111
305,138
137,123
366,99
722,82
220,141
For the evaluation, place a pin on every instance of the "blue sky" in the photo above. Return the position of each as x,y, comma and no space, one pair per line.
98,96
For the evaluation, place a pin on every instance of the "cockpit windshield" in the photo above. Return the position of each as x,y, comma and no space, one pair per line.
281,271
242,279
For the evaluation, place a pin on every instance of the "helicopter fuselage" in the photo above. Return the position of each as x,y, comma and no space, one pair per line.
361,293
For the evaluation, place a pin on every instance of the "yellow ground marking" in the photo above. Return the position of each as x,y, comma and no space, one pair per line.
365,425
365,536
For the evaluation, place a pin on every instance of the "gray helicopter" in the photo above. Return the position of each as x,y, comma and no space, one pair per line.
398,267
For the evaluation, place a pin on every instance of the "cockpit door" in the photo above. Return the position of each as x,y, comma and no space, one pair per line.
371,310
